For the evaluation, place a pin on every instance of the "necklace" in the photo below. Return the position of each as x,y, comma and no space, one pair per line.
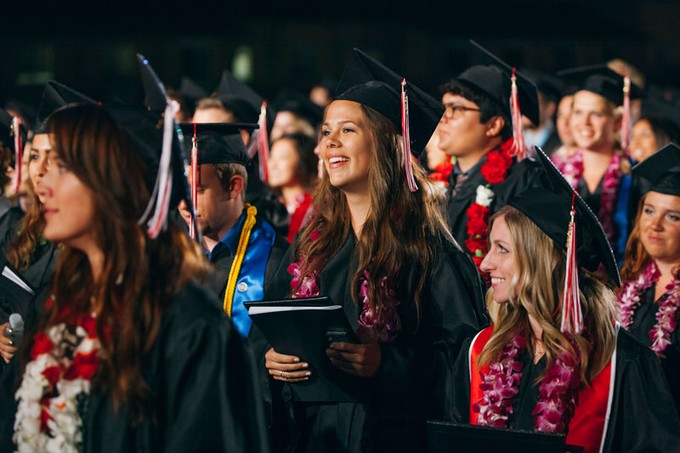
557,390
630,298
55,387
380,323
494,171
572,169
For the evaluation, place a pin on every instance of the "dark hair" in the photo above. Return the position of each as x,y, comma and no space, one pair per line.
488,106
304,145
139,276
664,130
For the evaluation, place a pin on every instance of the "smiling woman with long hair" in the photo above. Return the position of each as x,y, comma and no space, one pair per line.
554,359
380,248
131,352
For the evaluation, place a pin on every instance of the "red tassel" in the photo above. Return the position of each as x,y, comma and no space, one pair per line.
194,183
406,136
572,316
18,154
626,125
519,146
263,142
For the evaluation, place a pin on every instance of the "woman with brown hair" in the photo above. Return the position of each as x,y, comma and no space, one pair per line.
649,300
131,353
378,245
554,360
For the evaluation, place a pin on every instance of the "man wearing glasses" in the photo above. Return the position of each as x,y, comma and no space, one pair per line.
476,131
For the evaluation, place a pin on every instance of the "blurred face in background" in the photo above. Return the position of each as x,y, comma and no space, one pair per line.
642,141
593,123
562,122
283,164
37,159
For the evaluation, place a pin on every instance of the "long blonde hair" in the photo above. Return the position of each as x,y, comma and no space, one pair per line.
537,291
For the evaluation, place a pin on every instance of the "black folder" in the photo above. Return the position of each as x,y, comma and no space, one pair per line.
445,437
304,328
16,294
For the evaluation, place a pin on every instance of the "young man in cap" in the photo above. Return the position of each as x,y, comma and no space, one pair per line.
243,247
476,129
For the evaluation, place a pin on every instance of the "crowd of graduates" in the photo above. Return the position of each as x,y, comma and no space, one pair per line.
506,252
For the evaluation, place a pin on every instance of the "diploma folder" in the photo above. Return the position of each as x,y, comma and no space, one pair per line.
16,294
304,328
443,437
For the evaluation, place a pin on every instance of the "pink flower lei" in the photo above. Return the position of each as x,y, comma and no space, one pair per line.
629,300
557,390
369,319
572,169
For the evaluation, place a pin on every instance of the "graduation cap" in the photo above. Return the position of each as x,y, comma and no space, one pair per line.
239,98
664,114
56,95
218,143
190,92
161,147
7,135
600,79
298,104
551,86
548,205
412,111
660,172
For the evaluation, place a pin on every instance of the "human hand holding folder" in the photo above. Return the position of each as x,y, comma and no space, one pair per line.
301,331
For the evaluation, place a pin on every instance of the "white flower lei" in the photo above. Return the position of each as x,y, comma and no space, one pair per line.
64,424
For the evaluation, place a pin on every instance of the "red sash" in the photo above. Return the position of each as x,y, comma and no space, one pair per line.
587,426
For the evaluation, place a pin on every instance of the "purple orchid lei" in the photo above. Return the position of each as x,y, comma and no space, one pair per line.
369,322
630,298
572,169
556,398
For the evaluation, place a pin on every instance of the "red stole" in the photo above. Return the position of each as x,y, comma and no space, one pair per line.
587,426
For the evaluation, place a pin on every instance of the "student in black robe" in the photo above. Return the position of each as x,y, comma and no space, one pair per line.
650,296
477,131
21,233
378,246
130,345
554,359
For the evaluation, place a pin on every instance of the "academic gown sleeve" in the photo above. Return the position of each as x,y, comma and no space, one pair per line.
415,366
204,395
458,387
643,417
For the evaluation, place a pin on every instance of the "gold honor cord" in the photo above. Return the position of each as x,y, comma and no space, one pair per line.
251,212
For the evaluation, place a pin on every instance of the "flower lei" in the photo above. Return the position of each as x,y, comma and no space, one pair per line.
556,393
442,172
572,169
629,300
55,387
369,319
494,171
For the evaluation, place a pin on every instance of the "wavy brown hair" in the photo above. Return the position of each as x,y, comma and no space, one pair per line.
537,289
139,275
400,227
29,234
636,258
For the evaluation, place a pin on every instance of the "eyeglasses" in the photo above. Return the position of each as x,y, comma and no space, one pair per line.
456,111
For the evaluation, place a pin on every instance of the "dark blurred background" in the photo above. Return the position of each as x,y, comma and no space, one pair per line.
91,46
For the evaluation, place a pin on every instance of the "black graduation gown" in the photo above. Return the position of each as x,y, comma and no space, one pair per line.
268,205
642,416
644,320
409,384
204,395
521,175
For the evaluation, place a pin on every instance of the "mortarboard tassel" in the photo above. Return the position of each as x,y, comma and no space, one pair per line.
18,154
519,146
626,125
572,317
160,198
194,183
406,136
262,142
